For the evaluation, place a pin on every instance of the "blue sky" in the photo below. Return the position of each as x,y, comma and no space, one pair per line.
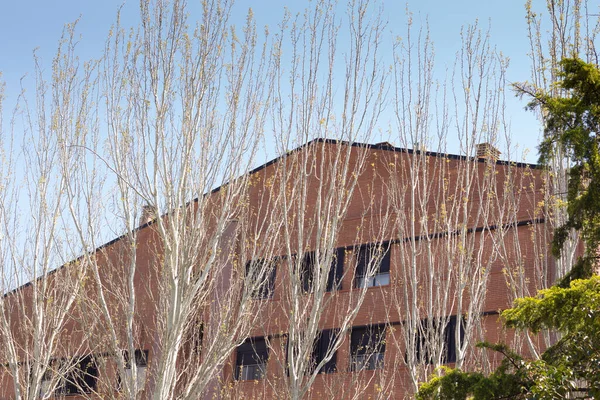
29,24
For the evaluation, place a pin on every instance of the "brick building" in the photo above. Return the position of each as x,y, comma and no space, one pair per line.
364,267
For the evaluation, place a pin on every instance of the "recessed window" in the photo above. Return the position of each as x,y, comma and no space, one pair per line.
251,360
46,384
367,348
323,345
260,278
81,377
141,364
372,266
428,337
334,271
197,338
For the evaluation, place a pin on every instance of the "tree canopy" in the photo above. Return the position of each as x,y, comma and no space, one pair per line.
572,307
572,127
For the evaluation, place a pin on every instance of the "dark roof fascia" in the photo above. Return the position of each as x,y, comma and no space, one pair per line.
380,146
388,147
385,147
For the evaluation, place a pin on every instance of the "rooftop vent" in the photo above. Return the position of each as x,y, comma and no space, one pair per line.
485,151
419,146
149,214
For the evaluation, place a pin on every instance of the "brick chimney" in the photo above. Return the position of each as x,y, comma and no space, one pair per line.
384,144
485,151
149,214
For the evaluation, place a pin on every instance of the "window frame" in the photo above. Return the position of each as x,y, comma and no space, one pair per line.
141,364
335,273
46,384
266,290
76,380
363,256
322,344
367,347
258,350
449,351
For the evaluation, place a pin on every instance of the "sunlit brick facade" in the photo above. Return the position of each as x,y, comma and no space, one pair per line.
496,232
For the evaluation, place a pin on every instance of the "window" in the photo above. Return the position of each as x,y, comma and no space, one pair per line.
323,343
367,348
51,382
46,384
81,378
260,275
428,337
197,338
251,360
367,256
335,272
141,364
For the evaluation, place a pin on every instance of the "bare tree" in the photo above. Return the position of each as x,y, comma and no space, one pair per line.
155,142
38,301
185,111
323,212
452,214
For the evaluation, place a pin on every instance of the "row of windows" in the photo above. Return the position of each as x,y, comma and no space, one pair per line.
373,257
367,349
82,377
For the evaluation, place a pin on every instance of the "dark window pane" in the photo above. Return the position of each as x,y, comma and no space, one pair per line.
261,275
367,347
141,363
450,338
428,334
362,261
323,343
334,281
307,271
81,378
251,359
367,255
141,358
384,263
334,272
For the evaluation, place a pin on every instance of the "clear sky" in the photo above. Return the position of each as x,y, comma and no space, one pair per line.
29,24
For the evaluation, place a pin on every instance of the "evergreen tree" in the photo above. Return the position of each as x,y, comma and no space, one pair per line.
572,307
